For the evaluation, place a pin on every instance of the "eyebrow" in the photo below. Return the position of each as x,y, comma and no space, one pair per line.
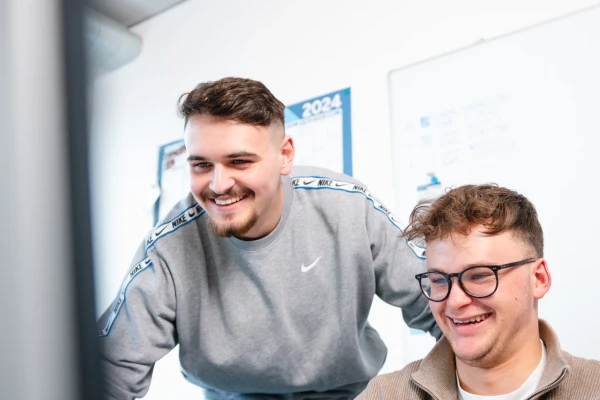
232,155
467,266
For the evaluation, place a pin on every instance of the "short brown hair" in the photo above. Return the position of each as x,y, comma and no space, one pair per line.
238,99
496,208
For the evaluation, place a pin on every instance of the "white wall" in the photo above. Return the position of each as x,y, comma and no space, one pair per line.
299,49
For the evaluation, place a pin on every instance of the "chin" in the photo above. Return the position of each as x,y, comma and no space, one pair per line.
470,355
231,228
476,355
224,231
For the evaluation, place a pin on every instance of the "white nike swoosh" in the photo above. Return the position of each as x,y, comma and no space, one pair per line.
306,269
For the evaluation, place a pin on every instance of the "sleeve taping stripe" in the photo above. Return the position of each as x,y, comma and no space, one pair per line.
138,268
182,219
317,183
160,231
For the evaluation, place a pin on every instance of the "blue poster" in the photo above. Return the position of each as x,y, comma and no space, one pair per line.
322,131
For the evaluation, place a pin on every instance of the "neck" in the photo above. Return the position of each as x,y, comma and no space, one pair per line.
506,376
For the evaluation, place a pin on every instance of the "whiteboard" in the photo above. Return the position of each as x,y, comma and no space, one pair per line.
523,111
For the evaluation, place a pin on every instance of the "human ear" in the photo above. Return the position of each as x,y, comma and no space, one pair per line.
286,155
541,278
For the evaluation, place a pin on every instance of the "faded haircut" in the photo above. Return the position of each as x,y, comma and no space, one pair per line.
242,100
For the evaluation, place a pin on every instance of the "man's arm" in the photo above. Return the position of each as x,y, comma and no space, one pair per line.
138,328
396,263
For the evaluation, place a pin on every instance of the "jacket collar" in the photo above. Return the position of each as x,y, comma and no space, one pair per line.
557,365
437,372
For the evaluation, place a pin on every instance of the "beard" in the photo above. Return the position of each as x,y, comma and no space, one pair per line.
227,229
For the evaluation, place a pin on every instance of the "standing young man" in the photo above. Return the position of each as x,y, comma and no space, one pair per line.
263,275
485,275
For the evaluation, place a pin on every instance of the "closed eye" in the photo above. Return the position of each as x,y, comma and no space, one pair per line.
480,277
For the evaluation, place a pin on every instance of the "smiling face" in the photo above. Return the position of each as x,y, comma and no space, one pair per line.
487,332
236,174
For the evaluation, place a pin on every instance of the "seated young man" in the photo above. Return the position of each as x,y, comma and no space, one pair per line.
485,275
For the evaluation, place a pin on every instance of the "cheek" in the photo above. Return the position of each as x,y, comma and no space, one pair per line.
263,189
436,309
261,184
518,293
197,184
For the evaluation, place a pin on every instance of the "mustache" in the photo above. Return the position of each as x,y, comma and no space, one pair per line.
208,194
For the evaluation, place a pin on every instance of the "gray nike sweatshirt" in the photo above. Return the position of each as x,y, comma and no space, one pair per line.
284,315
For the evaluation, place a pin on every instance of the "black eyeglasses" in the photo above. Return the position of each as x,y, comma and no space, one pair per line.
478,282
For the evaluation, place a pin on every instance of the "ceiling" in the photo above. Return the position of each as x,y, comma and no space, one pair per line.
132,12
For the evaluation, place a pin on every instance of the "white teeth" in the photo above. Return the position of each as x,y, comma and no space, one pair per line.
478,318
228,201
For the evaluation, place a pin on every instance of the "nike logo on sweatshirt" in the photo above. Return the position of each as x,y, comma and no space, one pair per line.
308,268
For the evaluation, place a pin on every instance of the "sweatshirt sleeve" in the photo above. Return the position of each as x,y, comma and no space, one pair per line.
138,328
396,263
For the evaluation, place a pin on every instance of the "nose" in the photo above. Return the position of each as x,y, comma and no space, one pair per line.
221,180
457,297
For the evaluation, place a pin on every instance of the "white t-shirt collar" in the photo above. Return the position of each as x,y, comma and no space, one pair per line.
527,388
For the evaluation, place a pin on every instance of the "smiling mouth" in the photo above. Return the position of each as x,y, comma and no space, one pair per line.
471,321
229,201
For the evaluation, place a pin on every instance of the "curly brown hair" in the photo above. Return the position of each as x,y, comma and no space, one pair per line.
497,208
242,100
